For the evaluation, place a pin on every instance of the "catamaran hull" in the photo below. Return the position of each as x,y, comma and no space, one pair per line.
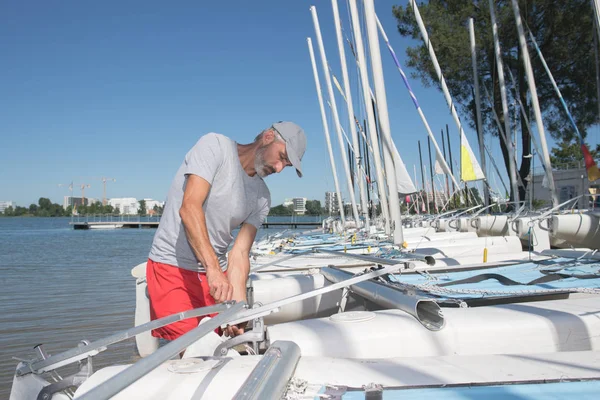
579,230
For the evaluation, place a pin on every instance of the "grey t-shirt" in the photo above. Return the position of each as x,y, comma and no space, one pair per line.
234,198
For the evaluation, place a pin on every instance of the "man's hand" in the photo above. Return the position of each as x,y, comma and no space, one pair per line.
220,288
234,330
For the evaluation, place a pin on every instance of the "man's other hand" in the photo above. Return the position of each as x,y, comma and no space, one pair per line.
220,288
234,330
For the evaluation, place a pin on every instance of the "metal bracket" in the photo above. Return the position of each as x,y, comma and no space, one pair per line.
335,392
373,391
255,335
86,369
344,300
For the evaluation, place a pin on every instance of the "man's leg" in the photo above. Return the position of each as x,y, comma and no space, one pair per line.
173,290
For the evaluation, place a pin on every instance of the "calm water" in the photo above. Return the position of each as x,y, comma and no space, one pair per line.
60,286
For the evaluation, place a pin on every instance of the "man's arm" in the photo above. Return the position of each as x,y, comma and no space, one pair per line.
194,222
238,268
239,261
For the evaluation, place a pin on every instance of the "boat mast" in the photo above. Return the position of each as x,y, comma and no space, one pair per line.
447,182
348,97
535,103
512,165
384,121
326,130
451,165
432,174
364,78
336,118
596,7
486,192
423,175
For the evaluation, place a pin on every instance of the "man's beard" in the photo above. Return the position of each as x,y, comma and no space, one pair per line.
260,166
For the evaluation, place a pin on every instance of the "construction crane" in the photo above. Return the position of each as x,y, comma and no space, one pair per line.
70,185
104,180
83,186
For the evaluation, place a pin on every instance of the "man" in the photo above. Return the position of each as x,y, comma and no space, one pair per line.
218,188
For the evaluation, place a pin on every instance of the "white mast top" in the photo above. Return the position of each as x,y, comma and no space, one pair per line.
348,96
384,120
535,103
336,118
364,78
326,130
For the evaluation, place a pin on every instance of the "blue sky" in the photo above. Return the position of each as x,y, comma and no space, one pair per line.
124,89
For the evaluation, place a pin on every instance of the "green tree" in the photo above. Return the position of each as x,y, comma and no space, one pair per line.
474,196
116,211
142,208
569,153
19,211
44,203
33,209
281,210
313,207
9,211
56,210
158,210
564,31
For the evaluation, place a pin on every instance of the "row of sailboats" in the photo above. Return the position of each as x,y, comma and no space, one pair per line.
459,304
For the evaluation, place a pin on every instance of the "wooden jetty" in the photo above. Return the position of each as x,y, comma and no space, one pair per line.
91,223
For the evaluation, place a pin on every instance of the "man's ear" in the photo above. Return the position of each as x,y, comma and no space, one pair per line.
268,137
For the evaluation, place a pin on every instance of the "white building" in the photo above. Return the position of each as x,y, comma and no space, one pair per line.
5,204
299,204
126,205
331,203
288,202
569,183
150,204
70,201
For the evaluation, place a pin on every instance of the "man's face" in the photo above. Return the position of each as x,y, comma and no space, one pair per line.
271,158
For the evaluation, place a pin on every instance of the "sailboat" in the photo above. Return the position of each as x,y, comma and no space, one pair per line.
486,309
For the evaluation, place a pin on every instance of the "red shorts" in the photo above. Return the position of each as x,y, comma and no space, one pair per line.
172,290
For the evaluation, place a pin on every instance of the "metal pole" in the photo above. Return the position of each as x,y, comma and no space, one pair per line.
535,102
326,130
512,166
124,379
384,122
82,352
416,103
438,70
350,107
364,78
423,174
427,191
486,191
336,118
596,6
421,164
417,194
447,183
451,164
596,33
270,378
431,173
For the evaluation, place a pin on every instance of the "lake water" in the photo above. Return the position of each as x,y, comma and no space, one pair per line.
60,286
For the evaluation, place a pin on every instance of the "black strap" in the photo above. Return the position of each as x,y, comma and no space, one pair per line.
548,277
